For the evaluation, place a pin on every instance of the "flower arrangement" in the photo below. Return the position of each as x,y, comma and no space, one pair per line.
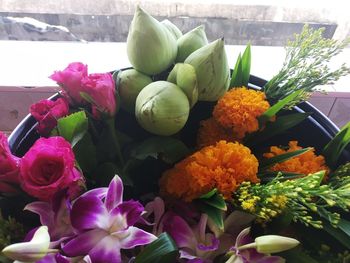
175,160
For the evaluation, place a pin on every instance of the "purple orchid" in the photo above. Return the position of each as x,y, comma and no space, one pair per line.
105,225
249,255
194,243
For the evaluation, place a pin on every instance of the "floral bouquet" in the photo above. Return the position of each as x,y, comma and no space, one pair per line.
179,159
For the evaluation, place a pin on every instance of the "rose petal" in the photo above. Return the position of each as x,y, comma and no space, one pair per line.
83,243
89,212
115,193
107,250
136,237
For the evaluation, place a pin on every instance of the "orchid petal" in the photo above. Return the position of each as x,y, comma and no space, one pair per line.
107,250
131,210
115,193
30,251
43,209
89,212
100,193
157,208
243,237
83,243
180,231
136,237
209,246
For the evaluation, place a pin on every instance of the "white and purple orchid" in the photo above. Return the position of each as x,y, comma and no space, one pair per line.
105,225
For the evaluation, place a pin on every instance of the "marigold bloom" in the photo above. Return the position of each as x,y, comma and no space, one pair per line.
210,132
305,163
239,109
223,166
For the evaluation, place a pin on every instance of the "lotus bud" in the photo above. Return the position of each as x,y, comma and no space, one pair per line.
212,70
162,108
31,251
190,42
184,76
274,244
172,28
129,83
151,48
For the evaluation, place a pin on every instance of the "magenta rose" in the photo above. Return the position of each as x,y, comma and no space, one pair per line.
48,167
70,81
101,89
46,112
9,167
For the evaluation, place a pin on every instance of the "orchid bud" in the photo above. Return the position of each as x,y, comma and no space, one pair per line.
31,251
274,244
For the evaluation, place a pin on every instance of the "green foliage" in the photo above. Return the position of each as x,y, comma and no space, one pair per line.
162,250
241,72
73,127
335,147
305,66
10,231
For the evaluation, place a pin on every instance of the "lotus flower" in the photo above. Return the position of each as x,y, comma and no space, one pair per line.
105,225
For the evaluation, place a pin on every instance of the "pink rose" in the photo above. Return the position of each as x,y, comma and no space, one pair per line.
9,167
70,81
101,88
46,112
48,167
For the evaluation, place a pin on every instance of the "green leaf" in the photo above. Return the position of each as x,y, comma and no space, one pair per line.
236,80
162,250
169,149
281,158
298,255
214,213
338,234
281,124
334,148
209,194
246,63
214,199
345,226
73,127
273,110
267,176
85,154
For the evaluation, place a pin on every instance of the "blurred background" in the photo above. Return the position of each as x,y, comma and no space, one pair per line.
40,36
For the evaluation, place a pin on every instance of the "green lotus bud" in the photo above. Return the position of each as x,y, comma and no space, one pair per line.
129,83
162,108
172,28
190,42
213,72
151,48
184,76
274,244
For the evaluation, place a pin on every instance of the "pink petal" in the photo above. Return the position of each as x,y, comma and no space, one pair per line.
136,237
83,243
44,210
131,210
89,212
100,193
115,193
107,250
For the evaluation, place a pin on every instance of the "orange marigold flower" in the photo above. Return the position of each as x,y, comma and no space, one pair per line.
305,163
239,109
210,132
224,166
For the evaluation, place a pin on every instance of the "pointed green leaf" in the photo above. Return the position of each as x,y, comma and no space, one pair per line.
236,80
267,176
281,158
338,234
274,109
281,124
73,127
209,194
246,62
214,213
334,148
162,250
216,201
